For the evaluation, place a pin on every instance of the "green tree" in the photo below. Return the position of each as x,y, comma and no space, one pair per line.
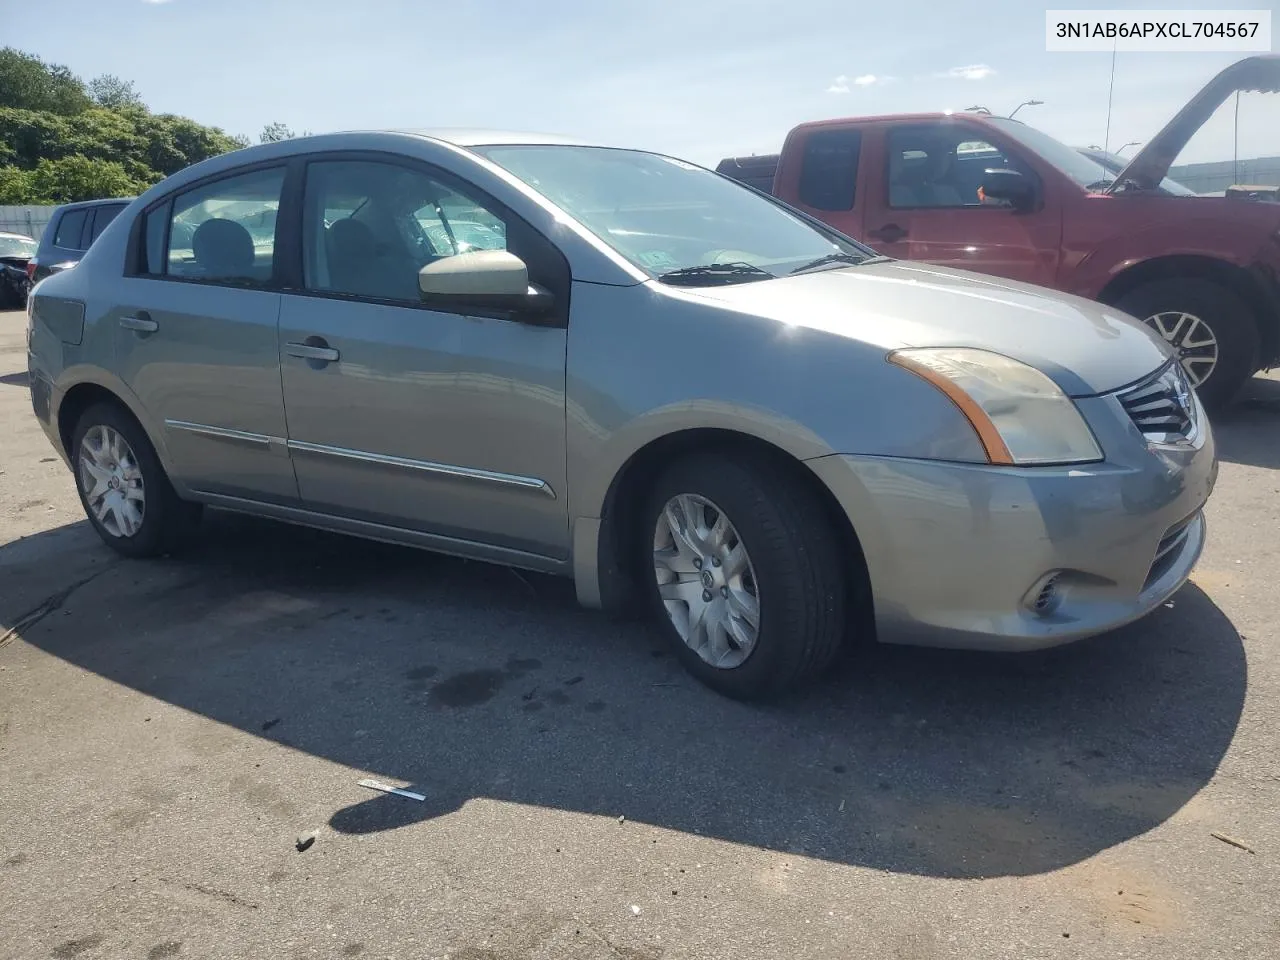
59,144
15,186
275,132
28,83
79,178
113,93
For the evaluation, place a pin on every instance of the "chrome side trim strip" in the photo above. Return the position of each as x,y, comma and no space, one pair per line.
223,433
425,466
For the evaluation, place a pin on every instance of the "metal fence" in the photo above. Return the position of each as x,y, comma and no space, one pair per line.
30,220
1208,177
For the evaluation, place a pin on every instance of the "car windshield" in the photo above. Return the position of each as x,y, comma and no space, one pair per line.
17,247
1115,164
672,219
1087,172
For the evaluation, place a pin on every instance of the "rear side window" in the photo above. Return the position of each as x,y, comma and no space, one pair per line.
223,231
101,217
829,169
70,227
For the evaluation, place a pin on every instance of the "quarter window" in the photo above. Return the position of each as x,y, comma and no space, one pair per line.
70,227
101,218
941,165
223,231
369,227
829,169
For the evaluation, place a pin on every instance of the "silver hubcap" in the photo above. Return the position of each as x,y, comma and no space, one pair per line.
706,580
112,482
1193,339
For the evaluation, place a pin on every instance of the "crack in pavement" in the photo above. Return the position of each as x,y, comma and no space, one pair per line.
47,606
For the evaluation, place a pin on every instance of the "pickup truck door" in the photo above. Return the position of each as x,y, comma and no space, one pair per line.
922,203
822,173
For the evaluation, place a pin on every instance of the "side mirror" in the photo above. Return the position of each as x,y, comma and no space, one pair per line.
1009,185
483,280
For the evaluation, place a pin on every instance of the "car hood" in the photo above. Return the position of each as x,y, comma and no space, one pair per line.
1085,347
1151,164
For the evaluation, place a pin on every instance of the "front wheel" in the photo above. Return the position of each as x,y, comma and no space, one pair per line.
1210,327
745,575
123,488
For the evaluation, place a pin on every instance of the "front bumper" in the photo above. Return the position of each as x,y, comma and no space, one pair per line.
957,553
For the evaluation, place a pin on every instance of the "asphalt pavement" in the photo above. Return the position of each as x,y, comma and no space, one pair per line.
173,731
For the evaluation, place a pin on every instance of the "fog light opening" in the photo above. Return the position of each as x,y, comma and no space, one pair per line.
1046,596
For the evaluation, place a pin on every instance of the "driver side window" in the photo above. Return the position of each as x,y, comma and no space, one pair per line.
934,166
369,227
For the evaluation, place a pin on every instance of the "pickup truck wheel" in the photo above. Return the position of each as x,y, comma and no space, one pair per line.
123,488
747,578
1211,328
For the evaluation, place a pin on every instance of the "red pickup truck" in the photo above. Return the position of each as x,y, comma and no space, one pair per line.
996,196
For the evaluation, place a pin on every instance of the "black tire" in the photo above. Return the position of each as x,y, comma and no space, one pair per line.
798,572
1226,315
167,520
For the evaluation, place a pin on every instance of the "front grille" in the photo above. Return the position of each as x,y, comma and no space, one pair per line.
1162,407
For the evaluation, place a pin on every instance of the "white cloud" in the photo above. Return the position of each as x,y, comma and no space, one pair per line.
977,71
155,1
867,80
839,85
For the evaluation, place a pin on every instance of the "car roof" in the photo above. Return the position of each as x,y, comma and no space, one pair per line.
900,117
478,137
82,204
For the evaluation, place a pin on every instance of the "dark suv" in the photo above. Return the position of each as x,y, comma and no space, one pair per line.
74,226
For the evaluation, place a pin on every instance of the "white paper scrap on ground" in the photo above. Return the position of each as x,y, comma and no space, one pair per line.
387,788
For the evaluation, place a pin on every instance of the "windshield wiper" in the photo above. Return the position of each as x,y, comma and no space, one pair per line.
709,274
835,258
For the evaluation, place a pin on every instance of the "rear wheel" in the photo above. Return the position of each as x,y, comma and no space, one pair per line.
123,488
1211,328
744,575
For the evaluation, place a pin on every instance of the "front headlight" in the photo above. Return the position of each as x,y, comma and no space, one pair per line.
1020,415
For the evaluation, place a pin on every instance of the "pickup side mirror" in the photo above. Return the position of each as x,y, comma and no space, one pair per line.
1009,185
488,280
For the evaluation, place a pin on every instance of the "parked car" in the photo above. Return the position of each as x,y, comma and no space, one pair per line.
654,380
73,227
1203,272
16,249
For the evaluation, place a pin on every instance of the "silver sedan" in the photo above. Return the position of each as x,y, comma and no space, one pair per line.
619,367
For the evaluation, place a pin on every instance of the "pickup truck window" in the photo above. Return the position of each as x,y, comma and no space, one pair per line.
674,220
939,165
829,169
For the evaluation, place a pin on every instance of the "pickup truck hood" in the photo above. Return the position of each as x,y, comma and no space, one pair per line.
1085,347
1151,164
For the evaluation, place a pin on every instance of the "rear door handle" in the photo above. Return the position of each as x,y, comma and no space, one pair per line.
890,233
312,351
142,323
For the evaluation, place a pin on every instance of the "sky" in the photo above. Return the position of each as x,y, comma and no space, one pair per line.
700,79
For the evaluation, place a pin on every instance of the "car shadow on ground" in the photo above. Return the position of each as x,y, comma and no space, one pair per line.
466,680
1249,432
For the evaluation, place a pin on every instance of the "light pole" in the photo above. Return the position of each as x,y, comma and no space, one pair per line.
1026,103
1131,143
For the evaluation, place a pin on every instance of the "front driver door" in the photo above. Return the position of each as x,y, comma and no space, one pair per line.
927,206
439,422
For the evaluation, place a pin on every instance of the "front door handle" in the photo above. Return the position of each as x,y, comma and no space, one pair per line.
889,233
312,351
140,322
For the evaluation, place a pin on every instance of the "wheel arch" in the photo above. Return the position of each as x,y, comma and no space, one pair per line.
81,395
1246,284
618,545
